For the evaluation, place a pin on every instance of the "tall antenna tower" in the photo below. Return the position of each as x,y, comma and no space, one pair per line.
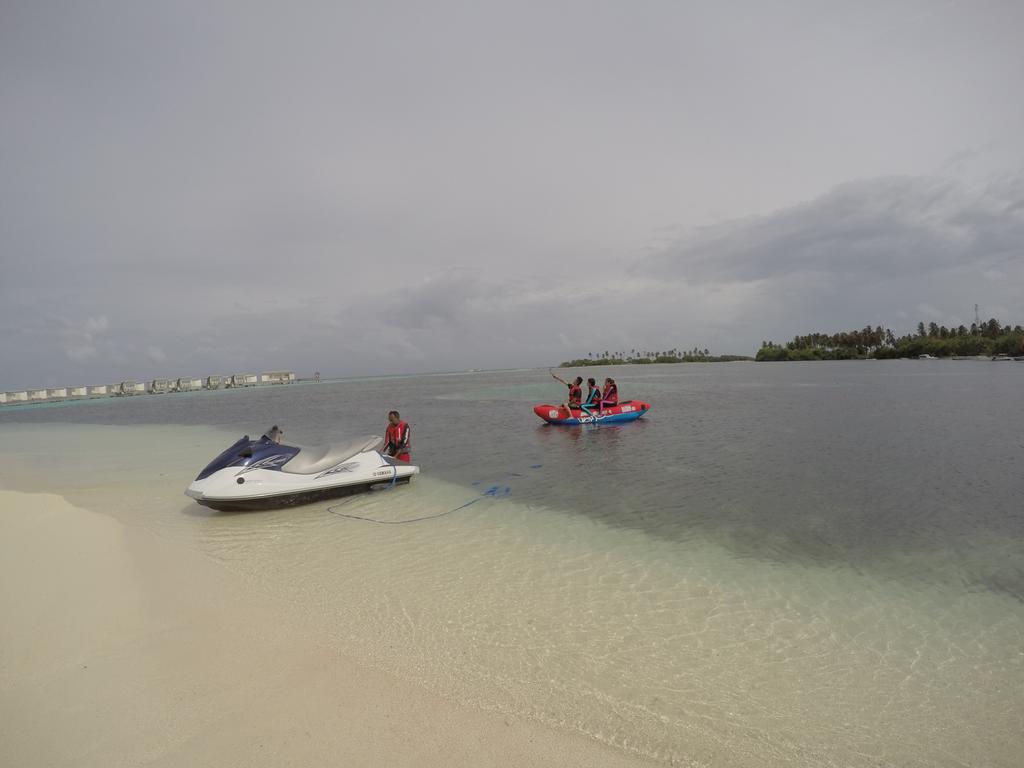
977,320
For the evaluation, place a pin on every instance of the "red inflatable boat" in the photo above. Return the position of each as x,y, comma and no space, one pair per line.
630,410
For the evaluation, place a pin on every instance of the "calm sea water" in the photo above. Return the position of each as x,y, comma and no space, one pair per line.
793,564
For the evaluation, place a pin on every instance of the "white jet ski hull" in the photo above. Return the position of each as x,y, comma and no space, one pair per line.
259,475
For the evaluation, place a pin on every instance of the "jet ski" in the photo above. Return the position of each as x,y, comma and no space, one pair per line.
264,474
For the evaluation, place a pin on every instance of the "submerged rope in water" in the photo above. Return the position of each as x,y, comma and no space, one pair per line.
494,492
332,510
390,486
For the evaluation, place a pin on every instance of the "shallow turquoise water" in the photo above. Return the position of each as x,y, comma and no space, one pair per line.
789,564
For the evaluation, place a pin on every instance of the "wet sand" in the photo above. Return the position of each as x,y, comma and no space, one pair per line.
120,647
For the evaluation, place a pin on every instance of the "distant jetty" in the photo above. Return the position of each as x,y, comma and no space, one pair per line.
130,387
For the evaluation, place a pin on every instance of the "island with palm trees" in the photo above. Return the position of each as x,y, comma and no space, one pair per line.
648,357
984,340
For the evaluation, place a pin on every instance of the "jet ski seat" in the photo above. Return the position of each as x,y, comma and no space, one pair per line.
313,459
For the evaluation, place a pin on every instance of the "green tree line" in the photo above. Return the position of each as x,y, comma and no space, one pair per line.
989,338
647,357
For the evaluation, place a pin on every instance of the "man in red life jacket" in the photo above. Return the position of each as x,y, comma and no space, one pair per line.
396,438
575,391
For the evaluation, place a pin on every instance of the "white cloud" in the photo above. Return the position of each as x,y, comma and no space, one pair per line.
80,339
928,312
885,228
883,251
95,325
889,251
80,352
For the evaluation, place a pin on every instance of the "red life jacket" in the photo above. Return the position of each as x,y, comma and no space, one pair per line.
611,395
575,394
397,438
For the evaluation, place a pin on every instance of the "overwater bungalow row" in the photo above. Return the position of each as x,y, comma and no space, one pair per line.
130,387
277,377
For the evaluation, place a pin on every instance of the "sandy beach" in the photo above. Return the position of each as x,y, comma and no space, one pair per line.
121,648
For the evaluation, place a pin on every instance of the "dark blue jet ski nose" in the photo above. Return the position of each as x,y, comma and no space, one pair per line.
244,452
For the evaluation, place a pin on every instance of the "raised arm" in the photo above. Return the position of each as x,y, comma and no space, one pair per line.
558,378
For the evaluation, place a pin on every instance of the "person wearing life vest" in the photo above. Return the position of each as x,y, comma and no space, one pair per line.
396,438
593,397
274,434
610,395
575,392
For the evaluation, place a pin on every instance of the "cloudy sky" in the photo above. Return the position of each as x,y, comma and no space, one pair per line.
211,187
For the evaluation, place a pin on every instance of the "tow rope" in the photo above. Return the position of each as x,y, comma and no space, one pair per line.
494,492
